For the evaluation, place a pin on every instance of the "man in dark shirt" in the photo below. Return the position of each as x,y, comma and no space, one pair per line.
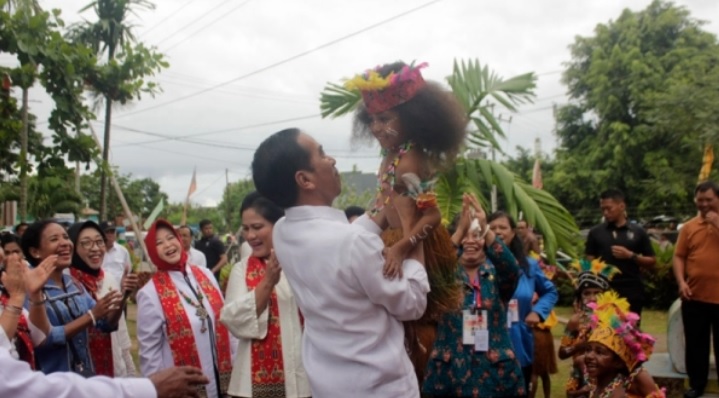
623,245
212,248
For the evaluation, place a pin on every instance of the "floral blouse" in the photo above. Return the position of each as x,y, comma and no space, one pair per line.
455,369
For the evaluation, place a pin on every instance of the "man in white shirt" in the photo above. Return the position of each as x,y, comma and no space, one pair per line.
195,257
353,344
116,256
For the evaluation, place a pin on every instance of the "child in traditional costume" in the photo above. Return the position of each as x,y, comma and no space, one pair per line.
592,280
420,127
615,350
178,315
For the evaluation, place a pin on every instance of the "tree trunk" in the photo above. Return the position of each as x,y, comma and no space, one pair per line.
23,156
105,160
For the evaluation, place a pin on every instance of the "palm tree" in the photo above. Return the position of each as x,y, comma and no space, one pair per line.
26,8
479,90
107,36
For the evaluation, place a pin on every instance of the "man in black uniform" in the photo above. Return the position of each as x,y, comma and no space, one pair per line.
623,245
213,249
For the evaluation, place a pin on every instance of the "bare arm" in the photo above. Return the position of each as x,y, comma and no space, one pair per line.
220,264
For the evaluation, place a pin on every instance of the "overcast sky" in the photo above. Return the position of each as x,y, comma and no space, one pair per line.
244,69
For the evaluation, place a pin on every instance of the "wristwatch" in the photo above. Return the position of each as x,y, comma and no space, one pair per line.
634,256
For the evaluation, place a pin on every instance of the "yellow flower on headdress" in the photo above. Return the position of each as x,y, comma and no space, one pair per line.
598,265
370,81
608,303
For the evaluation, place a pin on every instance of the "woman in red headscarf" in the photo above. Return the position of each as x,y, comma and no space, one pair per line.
178,315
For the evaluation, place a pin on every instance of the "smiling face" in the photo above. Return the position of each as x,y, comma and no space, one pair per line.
54,240
472,250
323,178
387,129
91,247
169,248
706,201
257,231
503,229
600,360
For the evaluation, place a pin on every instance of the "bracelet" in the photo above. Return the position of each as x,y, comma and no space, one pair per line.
14,309
89,312
42,302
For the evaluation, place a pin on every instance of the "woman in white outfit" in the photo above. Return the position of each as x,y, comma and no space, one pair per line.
178,315
261,311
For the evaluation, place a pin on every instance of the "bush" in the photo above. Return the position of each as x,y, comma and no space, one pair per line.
660,286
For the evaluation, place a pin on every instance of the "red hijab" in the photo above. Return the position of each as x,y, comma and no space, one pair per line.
150,242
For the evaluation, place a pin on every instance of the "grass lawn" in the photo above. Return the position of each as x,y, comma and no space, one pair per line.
654,322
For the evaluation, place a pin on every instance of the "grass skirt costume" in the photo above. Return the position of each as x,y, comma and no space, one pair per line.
445,295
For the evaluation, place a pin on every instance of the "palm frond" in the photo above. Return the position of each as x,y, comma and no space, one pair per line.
336,101
539,207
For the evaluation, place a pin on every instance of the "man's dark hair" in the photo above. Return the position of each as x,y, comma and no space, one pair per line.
7,238
275,164
20,225
705,186
263,206
186,227
205,223
354,211
613,194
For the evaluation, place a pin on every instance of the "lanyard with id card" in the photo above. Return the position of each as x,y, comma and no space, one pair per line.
474,323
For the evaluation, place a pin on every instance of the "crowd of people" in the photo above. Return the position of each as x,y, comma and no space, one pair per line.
386,302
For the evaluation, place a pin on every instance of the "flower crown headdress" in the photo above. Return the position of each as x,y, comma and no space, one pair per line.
383,93
595,273
614,326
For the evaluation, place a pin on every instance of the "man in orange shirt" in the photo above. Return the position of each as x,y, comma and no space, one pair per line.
696,268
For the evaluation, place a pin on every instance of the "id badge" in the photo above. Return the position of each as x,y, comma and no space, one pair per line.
470,323
513,311
481,340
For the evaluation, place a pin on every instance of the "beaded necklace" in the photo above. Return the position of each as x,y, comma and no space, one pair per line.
618,380
390,174
200,312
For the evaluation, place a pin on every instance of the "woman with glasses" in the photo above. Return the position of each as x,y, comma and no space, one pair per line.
110,352
70,309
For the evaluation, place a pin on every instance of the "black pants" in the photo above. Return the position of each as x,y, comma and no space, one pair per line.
700,319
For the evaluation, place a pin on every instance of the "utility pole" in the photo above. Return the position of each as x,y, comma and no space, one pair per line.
494,200
227,195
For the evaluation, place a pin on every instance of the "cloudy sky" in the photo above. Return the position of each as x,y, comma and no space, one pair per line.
244,69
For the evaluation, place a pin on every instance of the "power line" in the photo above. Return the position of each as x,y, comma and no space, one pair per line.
224,15
177,10
194,21
251,126
286,60
222,145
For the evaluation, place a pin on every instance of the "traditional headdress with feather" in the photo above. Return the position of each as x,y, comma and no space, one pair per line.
614,326
383,93
595,273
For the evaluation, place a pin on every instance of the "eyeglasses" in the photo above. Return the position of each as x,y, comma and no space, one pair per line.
88,244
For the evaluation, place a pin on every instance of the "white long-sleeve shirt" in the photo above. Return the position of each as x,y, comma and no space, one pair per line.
123,364
353,344
155,352
239,314
17,380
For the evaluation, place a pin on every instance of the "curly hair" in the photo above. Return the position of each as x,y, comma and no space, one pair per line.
433,119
